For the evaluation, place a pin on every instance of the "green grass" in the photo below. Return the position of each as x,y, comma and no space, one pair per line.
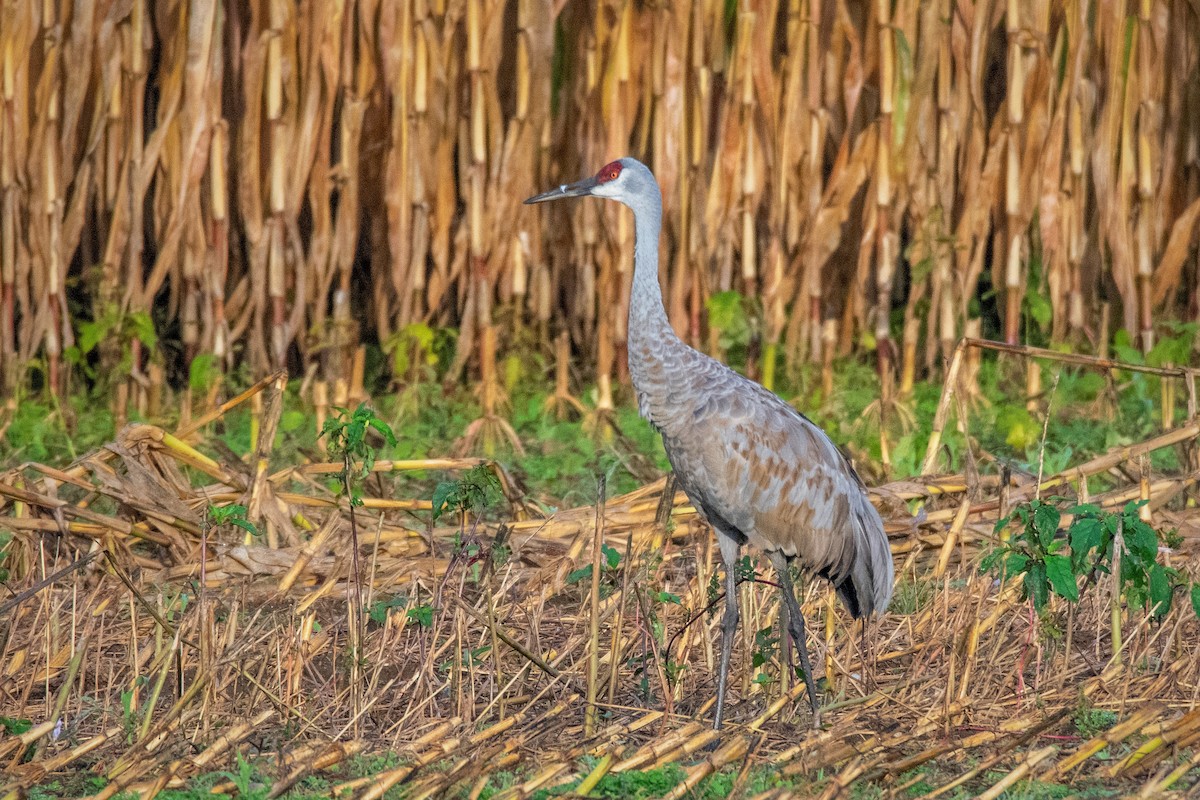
910,596
563,457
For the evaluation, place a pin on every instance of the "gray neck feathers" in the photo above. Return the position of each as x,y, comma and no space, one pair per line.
647,316
656,354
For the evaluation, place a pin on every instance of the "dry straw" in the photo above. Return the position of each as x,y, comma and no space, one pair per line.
509,664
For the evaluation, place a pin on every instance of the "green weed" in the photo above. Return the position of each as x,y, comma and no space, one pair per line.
911,595
1090,721
1096,541
232,514
471,493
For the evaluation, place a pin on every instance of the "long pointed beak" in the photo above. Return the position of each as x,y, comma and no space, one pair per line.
577,189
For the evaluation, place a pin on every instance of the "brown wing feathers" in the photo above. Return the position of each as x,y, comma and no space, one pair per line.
766,474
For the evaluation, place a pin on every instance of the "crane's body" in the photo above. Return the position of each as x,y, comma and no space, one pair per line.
759,471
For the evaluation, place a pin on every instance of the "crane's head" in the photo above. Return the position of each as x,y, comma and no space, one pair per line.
625,180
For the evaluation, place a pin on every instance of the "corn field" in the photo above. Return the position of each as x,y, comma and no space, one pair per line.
273,184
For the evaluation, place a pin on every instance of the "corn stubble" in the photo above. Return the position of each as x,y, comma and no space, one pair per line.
505,661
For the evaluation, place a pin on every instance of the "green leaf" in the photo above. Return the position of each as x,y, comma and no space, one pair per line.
1021,429
1045,522
420,333
1037,587
727,314
611,556
1133,506
444,494
991,559
91,334
1038,306
1196,599
332,424
15,726
745,569
1085,535
380,608
724,309
422,615
1062,577
1160,591
1133,574
292,420
143,328
227,515
1141,540
202,371
384,429
355,431
668,597
575,576
246,525
1016,563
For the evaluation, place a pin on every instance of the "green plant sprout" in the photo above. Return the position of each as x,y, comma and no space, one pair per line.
347,432
1096,542
112,332
246,779
477,489
608,569
235,515
347,436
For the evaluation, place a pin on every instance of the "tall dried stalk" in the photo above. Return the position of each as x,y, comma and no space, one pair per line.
278,183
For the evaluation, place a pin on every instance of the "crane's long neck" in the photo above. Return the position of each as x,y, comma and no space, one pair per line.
647,316
656,354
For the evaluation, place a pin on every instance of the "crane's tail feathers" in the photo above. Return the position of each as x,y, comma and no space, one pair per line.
868,588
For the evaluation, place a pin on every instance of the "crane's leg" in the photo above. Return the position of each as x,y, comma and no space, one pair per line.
729,622
796,629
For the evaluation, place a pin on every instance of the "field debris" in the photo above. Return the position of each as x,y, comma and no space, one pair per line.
474,656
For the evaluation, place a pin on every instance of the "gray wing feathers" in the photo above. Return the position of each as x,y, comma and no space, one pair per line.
872,572
756,466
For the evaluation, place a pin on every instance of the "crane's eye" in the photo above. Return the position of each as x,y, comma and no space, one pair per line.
610,172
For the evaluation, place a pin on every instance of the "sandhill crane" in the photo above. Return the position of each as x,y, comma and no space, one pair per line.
758,470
